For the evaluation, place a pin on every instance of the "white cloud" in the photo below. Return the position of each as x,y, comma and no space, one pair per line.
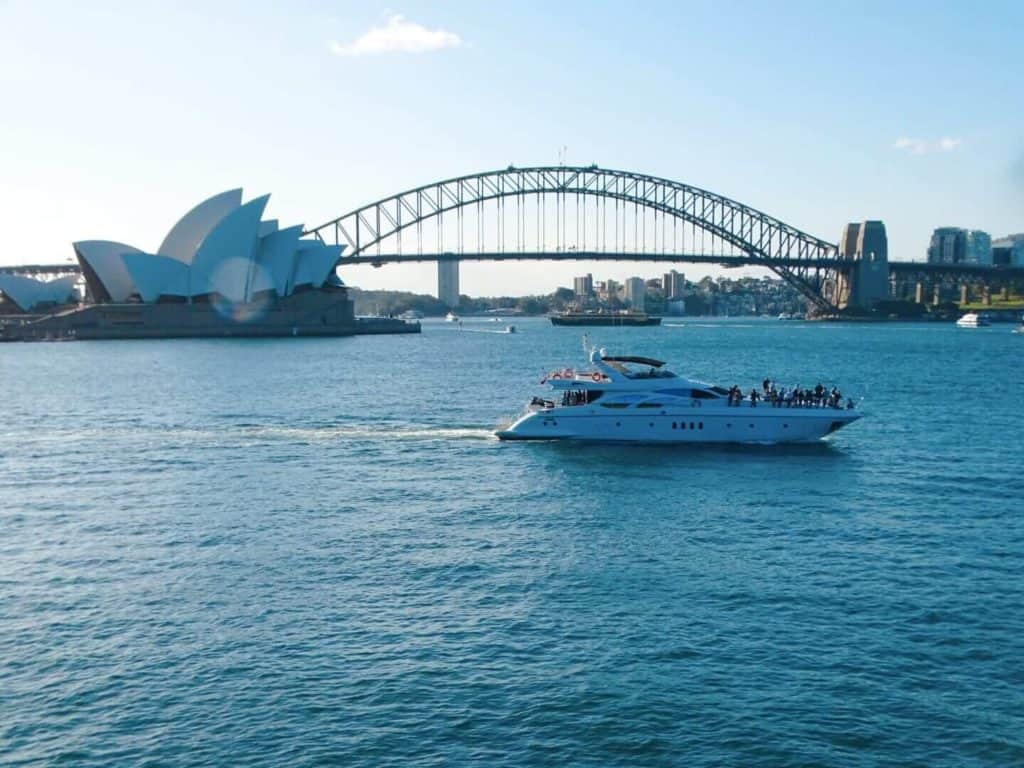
398,35
924,147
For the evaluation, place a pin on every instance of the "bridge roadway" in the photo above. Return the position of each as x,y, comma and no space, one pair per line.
381,259
377,260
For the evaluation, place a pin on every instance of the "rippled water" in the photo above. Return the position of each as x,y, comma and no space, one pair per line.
313,552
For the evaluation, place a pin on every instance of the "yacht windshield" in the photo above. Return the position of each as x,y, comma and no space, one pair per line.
635,371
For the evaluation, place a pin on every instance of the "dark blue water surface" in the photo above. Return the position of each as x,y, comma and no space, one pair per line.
312,552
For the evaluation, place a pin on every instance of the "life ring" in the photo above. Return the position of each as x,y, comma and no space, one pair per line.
595,376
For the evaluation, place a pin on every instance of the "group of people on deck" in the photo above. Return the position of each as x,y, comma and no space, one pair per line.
795,397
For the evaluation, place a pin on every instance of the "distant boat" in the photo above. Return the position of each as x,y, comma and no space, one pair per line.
972,320
627,318
451,317
1020,327
411,314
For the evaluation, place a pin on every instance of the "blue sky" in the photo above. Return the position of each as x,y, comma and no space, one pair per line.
117,117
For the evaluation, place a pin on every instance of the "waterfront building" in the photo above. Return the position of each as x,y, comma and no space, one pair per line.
583,286
609,290
448,283
220,271
955,245
220,251
635,292
1010,250
978,247
947,246
675,307
673,284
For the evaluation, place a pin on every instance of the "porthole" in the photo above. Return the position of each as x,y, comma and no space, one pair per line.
691,425
674,425
618,423
700,425
785,426
729,425
650,424
751,426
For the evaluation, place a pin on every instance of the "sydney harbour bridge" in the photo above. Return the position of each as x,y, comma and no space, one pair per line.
588,213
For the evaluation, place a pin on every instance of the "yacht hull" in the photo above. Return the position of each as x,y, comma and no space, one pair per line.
738,424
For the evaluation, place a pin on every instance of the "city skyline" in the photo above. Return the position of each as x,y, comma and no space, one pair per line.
90,145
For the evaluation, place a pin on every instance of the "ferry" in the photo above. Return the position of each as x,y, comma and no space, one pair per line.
624,318
972,320
637,399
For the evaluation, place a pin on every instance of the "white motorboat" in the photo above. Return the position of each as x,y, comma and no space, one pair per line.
451,317
636,399
972,320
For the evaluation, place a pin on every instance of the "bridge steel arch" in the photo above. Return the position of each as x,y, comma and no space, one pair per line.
792,254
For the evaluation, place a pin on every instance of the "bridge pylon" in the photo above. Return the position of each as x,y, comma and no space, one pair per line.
863,274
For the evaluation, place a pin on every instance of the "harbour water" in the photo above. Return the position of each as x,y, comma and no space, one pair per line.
313,552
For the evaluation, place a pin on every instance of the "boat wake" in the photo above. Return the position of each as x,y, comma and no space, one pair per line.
368,432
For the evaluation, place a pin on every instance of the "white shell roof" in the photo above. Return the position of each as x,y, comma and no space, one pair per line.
104,257
27,293
157,276
314,263
185,237
220,246
222,262
276,260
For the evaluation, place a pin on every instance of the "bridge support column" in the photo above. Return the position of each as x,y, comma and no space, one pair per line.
1004,293
448,282
936,295
964,294
986,296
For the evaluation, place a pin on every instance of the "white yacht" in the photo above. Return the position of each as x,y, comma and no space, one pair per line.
636,399
451,317
972,320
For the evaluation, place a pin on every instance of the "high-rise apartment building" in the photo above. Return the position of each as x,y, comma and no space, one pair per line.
953,245
948,246
583,286
635,292
978,247
673,284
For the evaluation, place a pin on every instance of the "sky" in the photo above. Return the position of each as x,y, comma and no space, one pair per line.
115,118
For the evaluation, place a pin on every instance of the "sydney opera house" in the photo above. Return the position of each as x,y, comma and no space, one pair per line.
222,270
